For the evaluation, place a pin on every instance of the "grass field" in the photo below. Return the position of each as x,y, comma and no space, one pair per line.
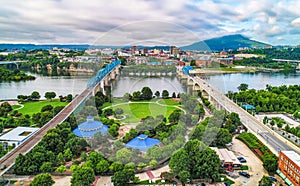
135,111
35,107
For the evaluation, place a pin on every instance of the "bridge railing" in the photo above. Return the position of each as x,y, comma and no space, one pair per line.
103,73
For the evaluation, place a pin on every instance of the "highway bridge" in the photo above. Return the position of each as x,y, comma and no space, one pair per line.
9,159
273,140
287,60
13,62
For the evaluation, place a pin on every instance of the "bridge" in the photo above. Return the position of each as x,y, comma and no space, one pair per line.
272,139
12,62
286,60
105,74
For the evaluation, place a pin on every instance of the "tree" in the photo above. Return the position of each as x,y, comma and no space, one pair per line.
102,166
184,176
50,95
242,87
47,108
83,176
35,95
116,166
270,162
265,181
68,154
46,167
42,180
265,120
61,169
174,95
120,178
153,163
146,93
165,94
197,159
157,94
124,155
127,97
175,116
69,98
113,130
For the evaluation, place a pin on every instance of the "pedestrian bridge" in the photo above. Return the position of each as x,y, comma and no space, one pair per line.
104,74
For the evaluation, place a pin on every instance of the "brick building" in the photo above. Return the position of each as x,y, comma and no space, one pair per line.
289,167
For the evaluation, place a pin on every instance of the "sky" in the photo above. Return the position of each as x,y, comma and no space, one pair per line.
151,22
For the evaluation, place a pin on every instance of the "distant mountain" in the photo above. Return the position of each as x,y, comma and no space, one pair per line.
225,43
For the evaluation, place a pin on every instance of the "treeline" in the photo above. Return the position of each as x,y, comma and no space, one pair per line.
280,99
15,75
269,54
269,159
263,62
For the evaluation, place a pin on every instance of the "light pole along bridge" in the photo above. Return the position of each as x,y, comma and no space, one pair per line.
273,140
105,74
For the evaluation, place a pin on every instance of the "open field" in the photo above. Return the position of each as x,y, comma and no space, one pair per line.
135,111
35,107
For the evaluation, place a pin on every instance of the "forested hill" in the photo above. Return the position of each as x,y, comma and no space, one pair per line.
225,43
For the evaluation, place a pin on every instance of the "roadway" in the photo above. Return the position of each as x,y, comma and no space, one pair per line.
32,141
273,140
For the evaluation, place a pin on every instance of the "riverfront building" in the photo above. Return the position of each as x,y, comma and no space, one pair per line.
289,167
18,135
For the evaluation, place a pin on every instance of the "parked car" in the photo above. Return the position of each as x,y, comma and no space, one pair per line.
273,178
227,184
244,174
242,159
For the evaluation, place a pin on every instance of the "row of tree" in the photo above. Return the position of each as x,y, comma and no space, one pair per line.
280,99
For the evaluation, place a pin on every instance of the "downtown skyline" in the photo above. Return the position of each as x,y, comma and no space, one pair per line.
148,22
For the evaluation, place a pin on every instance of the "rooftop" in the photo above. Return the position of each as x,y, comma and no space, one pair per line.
142,142
226,155
89,128
292,155
18,134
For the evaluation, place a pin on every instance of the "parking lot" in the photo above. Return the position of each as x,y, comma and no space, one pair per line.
256,169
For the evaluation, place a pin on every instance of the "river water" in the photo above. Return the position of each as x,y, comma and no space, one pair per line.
64,85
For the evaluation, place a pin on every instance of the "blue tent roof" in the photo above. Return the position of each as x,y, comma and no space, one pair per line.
89,128
248,107
142,142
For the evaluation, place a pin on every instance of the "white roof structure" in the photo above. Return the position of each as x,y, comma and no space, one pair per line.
292,155
18,134
226,155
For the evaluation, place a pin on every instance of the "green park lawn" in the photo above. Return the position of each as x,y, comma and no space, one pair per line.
135,111
35,107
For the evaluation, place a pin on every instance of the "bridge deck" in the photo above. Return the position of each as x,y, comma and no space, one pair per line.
277,142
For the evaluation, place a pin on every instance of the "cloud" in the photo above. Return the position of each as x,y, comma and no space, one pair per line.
67,21
296,22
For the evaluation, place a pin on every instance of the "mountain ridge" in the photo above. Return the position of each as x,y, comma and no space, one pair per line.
215,44
225,43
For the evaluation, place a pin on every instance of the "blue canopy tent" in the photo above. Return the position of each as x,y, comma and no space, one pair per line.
142,142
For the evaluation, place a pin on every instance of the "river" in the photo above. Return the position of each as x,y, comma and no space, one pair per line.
64,85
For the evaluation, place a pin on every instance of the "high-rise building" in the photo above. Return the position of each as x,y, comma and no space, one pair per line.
289,167
134,49
174,50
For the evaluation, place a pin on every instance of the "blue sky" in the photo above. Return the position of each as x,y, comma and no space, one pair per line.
128,22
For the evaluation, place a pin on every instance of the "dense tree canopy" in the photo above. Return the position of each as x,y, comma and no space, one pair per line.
42,180
195,160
